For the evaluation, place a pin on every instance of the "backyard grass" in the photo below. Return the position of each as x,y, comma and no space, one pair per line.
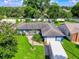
71,49
58,23
25,50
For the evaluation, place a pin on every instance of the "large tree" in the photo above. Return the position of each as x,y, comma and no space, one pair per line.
31,12
11,11
8,43
75,10
53,11
65,14
37,4
41,5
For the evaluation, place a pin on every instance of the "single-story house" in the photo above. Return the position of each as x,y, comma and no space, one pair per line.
51,34
71,30
48,31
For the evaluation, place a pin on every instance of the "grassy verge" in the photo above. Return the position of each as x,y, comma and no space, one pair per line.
25,50
71,49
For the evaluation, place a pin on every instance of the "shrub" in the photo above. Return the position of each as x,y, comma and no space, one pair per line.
1,17
27,20
8,47
37,37
8,42
23,34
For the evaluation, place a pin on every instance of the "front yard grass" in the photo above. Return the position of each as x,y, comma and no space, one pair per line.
25,50
71,49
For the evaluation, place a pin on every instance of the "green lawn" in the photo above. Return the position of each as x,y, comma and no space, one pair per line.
71,49
25,51
58,23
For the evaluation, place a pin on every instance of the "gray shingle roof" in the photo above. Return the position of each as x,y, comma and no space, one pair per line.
47,29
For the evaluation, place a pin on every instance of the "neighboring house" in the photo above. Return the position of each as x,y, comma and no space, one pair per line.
48,31
71,30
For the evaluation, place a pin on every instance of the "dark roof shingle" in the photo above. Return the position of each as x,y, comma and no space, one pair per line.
47,29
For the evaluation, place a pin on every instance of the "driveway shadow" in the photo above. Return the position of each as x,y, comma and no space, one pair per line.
47,57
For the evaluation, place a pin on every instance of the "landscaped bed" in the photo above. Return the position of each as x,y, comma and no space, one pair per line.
71,49
25,50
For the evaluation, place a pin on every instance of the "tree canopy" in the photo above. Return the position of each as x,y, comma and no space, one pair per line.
8,43
39,9
53,11
31,12
75,10
11,11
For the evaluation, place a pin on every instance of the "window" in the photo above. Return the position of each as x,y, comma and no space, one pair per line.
58,38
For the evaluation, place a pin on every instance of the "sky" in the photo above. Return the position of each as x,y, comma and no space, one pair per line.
65,2
12,3
20,2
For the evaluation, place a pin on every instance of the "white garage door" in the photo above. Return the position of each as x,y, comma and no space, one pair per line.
53,39
49,39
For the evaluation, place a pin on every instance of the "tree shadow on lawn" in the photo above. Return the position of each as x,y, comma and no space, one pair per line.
72,54
77,46
66,38
74,43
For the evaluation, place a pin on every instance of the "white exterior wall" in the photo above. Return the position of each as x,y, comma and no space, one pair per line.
59,38
48,39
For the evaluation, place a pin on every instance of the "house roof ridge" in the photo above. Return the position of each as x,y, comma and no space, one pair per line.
51,28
